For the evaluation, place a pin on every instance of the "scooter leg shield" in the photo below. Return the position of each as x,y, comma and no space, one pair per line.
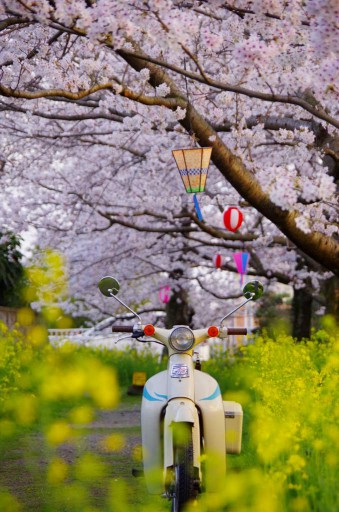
209,400
154,401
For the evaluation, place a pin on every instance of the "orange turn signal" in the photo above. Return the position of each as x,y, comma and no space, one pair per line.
149,330
213,331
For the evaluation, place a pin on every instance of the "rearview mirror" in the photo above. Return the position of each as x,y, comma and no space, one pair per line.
253,290
109,286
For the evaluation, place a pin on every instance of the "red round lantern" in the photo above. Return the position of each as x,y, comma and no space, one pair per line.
218,261
232,218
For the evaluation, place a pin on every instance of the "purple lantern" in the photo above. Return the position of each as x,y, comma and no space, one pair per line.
165,294
241,261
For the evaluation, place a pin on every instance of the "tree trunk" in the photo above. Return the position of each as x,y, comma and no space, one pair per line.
331,295
178,311
302,313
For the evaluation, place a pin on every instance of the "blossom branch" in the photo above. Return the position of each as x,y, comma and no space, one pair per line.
274,98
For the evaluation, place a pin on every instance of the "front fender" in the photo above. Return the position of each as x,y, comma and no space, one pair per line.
181,410
183,413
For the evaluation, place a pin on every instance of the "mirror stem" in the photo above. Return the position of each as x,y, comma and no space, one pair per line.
234,310
125,305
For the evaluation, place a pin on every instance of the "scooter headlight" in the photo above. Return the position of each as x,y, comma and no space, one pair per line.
181,339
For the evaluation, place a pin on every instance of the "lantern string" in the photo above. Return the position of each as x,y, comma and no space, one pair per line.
197,208
189,104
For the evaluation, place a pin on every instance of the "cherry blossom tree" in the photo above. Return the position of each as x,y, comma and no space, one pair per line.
95,94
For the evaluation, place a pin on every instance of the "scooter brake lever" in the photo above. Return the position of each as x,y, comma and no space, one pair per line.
135,334
123,338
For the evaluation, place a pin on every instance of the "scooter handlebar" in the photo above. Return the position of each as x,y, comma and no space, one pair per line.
236,330
230,330
122,328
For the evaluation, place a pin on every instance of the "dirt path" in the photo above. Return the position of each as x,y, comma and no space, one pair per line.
24,463
118,418
123,421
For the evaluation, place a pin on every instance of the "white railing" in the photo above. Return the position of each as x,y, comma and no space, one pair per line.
86,337
59,335
82,336
67,332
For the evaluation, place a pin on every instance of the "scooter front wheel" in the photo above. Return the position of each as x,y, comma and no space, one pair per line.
183,470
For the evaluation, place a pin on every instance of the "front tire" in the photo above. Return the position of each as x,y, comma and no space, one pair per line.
183,470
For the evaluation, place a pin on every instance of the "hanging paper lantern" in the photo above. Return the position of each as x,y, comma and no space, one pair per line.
165,294
193,166
232,218
241,261
218,261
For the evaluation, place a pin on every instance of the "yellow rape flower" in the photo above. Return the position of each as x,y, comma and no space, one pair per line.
37,335
113,443
81,415
296,462
104,388
8,503
57,471
89,468
58,433
25,409
25,316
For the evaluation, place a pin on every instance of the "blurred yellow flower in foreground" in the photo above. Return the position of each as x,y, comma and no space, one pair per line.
25,316
58,433
57,471
8,502
7,428
295,463
113,443
104,387
37,335
25,408
81,415
90,468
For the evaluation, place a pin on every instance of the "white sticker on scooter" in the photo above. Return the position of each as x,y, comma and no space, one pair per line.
179,371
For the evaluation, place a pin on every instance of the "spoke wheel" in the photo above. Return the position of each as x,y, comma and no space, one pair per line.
183,485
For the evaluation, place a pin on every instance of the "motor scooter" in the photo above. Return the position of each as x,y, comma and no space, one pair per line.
186,427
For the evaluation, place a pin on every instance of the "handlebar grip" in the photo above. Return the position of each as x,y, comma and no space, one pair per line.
122,328
236,330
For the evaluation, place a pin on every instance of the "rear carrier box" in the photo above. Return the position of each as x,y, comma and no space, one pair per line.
233,426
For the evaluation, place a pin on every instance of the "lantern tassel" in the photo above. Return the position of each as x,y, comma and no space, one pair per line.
197,208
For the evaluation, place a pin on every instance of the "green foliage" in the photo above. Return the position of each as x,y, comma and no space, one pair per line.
10,350
129,361
11,270
274,313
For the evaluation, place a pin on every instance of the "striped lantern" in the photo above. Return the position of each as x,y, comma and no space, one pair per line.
241,261
218,260
164,294
193,166
232,218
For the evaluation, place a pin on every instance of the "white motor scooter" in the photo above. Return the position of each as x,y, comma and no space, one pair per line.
187,428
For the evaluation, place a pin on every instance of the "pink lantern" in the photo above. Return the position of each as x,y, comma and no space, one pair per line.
218,261
165,294
232,218
241,261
